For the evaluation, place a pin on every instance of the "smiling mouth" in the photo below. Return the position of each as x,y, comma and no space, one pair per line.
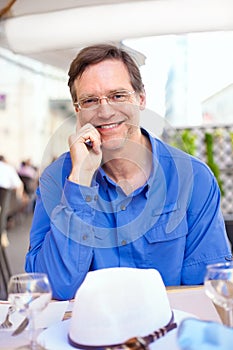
109,126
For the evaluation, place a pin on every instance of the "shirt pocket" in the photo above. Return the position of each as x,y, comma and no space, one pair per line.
171,224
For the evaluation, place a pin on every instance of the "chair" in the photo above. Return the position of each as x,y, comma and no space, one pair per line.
29,184
229,228
5,271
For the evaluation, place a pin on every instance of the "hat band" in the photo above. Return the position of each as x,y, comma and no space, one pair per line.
135,343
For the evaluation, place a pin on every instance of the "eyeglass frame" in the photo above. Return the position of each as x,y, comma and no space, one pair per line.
107,98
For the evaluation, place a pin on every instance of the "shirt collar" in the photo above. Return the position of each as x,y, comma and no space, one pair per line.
152,140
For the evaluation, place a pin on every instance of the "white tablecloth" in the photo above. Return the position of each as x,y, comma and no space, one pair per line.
191,299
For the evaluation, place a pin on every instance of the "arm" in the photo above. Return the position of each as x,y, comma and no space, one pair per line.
62,220
62,234
207,241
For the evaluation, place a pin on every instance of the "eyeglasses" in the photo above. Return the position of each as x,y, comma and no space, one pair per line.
114,98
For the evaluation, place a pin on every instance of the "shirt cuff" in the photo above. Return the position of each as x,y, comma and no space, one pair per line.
76,196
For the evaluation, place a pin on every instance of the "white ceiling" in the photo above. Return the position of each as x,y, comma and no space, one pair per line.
28,7
52,31
59,58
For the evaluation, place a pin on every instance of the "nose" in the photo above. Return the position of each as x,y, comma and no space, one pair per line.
105,110
104,98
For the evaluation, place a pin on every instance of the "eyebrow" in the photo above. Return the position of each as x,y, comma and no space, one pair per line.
108,93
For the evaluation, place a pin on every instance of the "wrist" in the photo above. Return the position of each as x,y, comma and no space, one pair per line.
83,178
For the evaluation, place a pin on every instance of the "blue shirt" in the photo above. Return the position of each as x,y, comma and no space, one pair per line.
173,223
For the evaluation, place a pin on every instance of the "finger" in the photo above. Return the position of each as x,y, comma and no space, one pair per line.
89,136
94,141
96,146
72,139
78,138
85,128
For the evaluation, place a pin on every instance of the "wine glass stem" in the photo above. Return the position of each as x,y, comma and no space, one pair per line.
32,334
230,318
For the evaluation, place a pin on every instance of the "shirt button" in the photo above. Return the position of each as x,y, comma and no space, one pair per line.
123,207
96,197
88,199
85,237
228,258
123,242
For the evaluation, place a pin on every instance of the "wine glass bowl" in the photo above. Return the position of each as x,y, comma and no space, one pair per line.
219,287
30,293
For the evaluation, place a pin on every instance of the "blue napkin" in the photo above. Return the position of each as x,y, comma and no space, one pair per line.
194,334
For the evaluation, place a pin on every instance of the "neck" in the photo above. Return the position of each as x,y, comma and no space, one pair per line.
130,166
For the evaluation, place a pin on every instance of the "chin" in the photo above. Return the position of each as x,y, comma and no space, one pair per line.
113,144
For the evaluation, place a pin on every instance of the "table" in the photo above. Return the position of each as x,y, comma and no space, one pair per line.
189,299
194,301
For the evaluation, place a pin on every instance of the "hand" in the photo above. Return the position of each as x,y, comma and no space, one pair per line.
85,159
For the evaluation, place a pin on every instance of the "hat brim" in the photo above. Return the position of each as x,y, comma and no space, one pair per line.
56,336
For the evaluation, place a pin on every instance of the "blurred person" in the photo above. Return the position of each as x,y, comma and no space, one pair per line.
27,169
120,196
9,179
11,186
28,174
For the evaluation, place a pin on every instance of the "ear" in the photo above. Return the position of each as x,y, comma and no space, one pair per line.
142,101
76,109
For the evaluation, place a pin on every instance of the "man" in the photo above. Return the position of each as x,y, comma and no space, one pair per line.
121,197
9,178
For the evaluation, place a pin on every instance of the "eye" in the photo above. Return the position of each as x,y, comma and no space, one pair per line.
118,97
87,102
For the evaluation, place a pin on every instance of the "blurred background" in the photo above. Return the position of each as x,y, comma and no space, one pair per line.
185,52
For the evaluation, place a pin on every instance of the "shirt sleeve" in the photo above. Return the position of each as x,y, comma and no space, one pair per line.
207,241
60,237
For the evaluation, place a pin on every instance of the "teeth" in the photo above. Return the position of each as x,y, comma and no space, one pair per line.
109,126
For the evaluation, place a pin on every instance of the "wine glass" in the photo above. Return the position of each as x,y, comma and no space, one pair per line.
30,293
219,288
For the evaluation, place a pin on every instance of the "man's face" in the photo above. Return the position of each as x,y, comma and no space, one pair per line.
116,123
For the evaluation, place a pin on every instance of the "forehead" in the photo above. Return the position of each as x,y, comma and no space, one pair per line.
103,76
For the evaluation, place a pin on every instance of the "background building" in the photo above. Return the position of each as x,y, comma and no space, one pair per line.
28,116
218,108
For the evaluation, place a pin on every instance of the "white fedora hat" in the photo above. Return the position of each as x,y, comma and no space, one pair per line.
120,307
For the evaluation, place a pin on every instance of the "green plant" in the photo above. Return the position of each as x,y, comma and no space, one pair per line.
186,141
209,140
231,138
189,141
